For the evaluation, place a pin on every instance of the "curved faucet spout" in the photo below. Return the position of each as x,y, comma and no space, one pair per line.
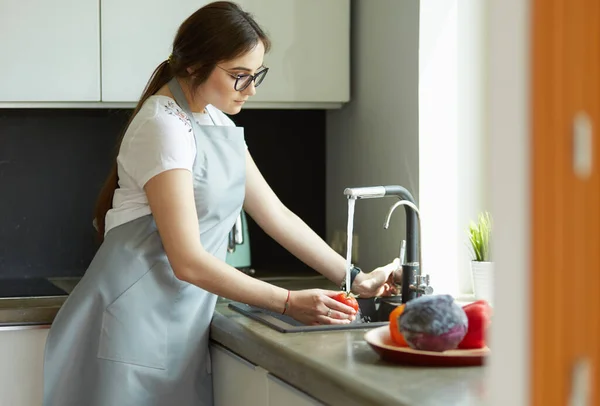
402,203
413,206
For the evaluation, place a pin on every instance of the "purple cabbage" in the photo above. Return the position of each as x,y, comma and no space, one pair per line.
433,323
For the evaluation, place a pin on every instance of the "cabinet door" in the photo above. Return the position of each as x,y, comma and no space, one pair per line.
310,56
280,393
309,60
565,339
50,50
21,366
137,35
236,381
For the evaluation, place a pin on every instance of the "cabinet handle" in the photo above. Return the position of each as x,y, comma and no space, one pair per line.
580,384
582,145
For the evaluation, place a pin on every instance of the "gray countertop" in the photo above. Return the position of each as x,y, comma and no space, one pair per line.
336,367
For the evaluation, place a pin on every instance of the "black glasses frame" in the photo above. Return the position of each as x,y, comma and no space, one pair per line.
257,78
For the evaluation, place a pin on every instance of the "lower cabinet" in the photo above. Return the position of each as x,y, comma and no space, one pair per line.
21,365
280,393
237,381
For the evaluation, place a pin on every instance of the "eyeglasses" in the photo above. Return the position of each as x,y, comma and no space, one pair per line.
243,80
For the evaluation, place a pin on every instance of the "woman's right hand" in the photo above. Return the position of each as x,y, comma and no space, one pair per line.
317,306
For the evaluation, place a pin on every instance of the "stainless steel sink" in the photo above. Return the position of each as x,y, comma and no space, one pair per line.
374,312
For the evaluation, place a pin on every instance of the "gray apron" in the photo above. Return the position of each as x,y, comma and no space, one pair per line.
131,333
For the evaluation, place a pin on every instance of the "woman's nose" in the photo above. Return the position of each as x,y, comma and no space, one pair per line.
250,90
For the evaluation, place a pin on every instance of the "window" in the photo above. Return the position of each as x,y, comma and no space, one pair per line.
451,137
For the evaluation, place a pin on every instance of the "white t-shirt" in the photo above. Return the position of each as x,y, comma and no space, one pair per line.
159,138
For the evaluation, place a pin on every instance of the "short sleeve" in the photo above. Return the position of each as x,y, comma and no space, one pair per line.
159,144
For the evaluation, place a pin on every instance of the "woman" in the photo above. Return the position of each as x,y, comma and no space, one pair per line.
135,329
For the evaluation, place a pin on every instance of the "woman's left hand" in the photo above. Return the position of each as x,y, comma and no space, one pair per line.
376,282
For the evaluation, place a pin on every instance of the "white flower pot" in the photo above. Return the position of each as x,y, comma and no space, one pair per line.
483,280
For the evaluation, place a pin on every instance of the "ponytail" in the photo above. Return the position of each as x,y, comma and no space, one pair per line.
160,77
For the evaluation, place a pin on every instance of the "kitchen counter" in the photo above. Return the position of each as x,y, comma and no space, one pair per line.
336,367
339,367
32,311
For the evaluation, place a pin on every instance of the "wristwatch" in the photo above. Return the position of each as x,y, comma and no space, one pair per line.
355,271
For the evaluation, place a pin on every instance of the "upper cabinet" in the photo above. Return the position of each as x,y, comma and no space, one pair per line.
50,50
309,61
104,51
137,35
310,56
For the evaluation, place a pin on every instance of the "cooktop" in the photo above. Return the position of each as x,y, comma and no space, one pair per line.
29,287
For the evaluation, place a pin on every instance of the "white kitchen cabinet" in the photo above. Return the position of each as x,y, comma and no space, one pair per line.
137,35
50,50
21,365
309,61
280,393
310,57
236,381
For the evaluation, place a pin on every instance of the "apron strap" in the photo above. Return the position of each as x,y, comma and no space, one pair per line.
177,92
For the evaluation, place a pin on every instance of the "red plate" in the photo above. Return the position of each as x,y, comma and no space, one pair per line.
380,340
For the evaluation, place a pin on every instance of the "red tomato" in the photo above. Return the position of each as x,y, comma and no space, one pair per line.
347,299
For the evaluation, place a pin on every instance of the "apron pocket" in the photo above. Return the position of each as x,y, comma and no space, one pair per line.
134,326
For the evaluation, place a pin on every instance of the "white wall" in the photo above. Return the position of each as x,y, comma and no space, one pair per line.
373,140
452,137
508,110
438,142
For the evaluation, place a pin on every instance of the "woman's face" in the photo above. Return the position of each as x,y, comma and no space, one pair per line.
218,89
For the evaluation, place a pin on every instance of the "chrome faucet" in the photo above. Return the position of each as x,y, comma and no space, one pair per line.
413,284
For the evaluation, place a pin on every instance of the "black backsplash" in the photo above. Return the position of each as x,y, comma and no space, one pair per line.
54,161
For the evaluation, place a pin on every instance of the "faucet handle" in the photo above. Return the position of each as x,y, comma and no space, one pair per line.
421,285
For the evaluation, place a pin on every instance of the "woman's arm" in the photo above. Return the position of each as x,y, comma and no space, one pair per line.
285,227
299,239
171,199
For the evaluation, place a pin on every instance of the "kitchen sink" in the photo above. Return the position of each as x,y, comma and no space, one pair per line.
374,312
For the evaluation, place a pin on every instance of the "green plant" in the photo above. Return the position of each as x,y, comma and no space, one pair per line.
479,237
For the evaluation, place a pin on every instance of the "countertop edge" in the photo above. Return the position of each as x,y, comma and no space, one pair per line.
263,353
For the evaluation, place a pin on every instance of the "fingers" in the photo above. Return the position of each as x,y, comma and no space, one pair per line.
335,315
339,306
331,316
391,267
318,307
329,320
384,273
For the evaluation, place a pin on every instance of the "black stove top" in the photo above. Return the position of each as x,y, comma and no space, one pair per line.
28,287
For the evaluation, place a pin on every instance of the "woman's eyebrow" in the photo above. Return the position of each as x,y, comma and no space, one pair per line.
243,68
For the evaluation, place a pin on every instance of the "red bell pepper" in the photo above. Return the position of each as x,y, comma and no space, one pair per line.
479,314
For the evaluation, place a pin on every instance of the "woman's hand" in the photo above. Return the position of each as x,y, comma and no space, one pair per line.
378,282
317,306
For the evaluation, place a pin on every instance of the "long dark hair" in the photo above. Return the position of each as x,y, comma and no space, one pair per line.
217,32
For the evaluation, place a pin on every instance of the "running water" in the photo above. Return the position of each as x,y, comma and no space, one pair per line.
349,235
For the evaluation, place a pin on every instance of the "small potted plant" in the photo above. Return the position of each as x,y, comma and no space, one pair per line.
482,267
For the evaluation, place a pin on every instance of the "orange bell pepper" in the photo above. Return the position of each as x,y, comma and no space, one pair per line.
395,333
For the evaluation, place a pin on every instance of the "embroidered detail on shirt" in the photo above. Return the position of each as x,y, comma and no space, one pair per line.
174,110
